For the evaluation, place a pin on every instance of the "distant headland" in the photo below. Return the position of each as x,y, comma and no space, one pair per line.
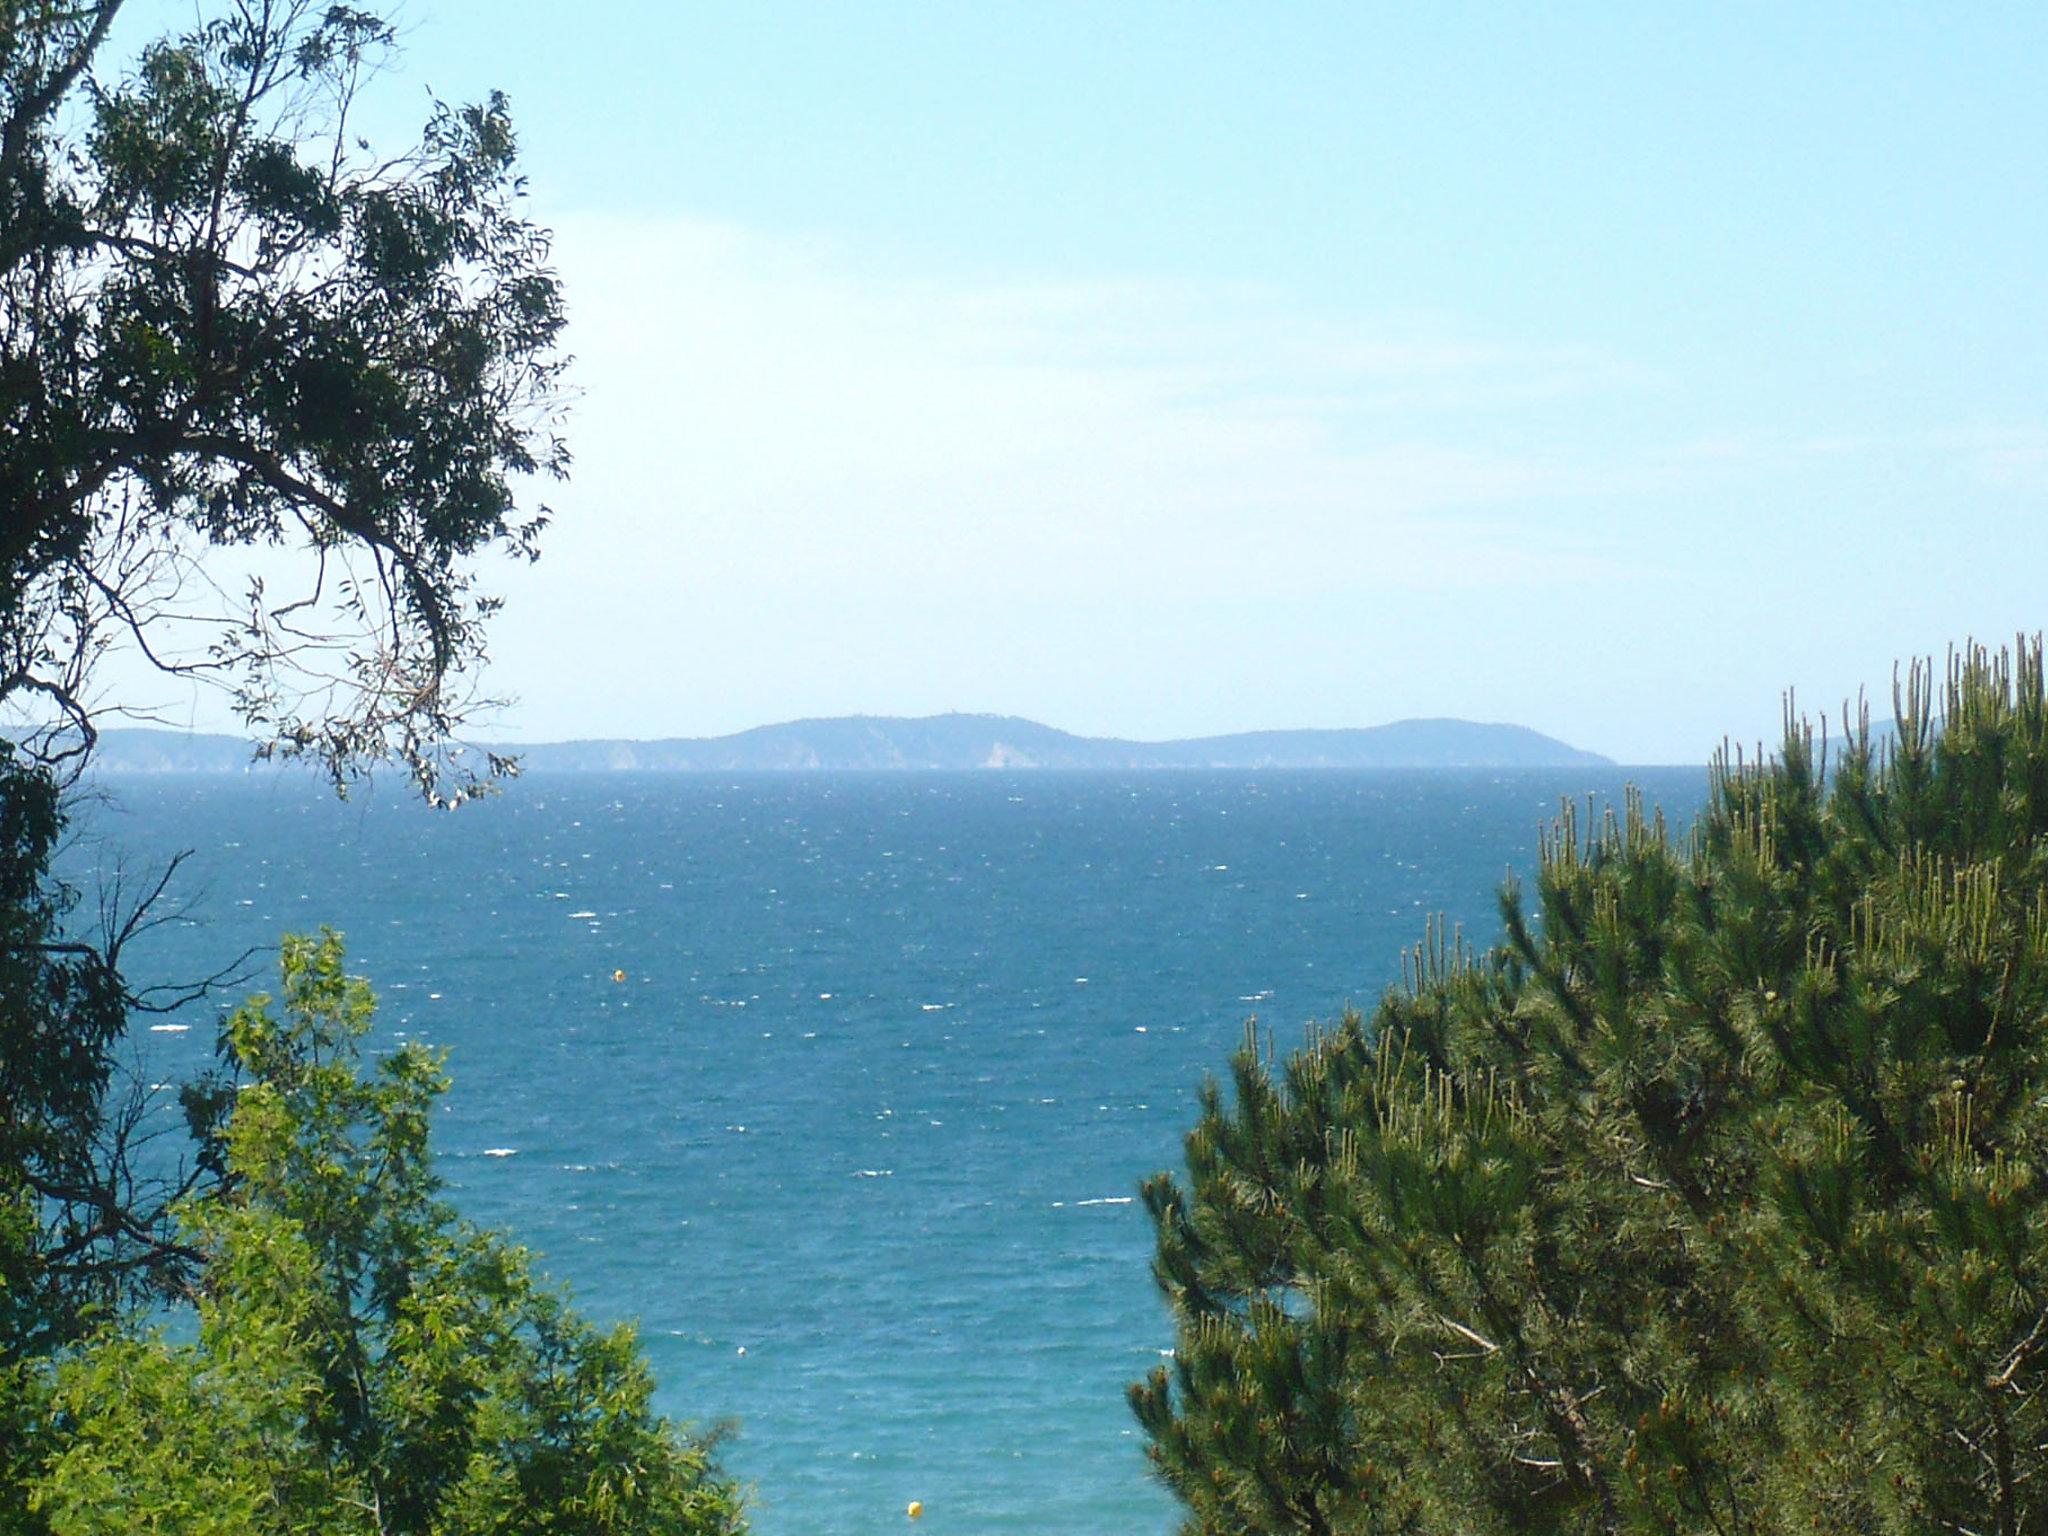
944,742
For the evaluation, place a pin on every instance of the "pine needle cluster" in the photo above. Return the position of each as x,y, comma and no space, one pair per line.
1710,1200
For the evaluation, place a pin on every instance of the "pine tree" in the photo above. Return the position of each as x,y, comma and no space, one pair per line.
1710,1200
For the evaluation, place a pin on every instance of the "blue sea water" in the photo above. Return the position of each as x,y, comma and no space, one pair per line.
856,1140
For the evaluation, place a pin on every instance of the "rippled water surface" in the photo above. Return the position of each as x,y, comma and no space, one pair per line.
857,1137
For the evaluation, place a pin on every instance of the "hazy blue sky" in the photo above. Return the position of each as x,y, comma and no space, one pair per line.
1164,369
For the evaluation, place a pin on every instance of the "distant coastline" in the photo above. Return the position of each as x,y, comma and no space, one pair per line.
942,742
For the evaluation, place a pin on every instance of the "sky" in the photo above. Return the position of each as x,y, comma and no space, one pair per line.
1162,370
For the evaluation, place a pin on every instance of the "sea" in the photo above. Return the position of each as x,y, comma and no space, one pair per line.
856,1139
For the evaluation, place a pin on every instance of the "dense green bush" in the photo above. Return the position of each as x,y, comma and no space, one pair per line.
366,1361
1710,1201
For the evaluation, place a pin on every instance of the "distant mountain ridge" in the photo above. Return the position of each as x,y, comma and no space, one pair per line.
952,741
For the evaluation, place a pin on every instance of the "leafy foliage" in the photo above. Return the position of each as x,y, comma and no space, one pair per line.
227,327
83,1215
60,1013
1711,1201
366,1360
224,324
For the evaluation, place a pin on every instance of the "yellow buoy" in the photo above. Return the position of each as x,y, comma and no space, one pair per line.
916,1510
618,975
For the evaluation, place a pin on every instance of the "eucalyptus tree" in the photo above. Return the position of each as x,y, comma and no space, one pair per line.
226,322
1711,1200
227,325
238,338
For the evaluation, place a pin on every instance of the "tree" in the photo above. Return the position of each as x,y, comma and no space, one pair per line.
366,1360
224,323
83,1219
1710,1201
227,327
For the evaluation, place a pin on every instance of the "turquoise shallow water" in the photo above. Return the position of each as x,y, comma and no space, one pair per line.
856,1140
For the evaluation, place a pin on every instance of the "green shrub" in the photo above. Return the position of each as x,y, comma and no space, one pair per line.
366,1360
